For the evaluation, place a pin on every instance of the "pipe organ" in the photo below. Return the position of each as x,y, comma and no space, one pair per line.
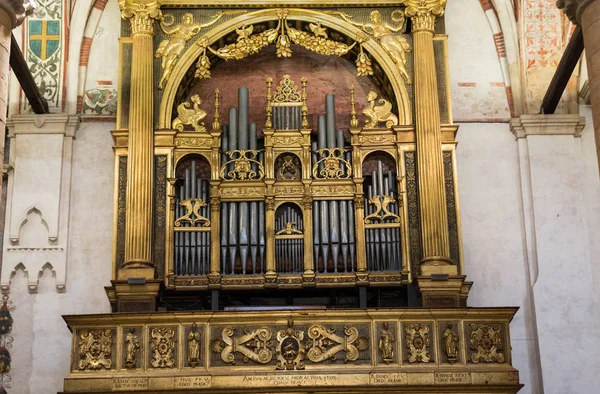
295,207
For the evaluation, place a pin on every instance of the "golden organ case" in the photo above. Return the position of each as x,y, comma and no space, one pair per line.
286,207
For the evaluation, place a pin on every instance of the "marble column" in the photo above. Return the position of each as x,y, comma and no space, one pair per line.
586,13
430,166
561,270
140,161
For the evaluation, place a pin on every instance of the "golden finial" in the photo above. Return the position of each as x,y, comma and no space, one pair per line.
304,106
269,123
216,125
353,120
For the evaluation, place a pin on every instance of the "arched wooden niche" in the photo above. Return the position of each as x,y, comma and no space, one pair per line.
386,76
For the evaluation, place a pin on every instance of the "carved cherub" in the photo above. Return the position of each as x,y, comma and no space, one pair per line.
179,35
379,113
394,44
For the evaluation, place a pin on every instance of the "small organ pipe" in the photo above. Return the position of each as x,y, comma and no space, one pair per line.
351,229
261,234
242,125
330,119
233,212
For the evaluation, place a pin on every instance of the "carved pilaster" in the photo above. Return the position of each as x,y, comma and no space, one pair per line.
139,197
423,14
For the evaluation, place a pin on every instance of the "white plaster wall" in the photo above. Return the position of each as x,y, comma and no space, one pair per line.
473,59
40,353
495,249
103,62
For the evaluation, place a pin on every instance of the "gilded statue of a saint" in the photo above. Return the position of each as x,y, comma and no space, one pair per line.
132,344
179,35
450,338
386,344
193,347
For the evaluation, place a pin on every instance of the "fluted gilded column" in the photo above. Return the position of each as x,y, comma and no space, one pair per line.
430,166
140,161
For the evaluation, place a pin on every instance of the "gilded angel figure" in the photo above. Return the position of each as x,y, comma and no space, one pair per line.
394,44
179,35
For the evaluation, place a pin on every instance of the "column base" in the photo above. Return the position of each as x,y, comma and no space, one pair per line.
134,295
438,265
443,292
125,273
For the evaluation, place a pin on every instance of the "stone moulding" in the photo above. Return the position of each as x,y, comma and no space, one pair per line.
361,368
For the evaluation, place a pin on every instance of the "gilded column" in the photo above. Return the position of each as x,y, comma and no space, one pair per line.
432,195
140,161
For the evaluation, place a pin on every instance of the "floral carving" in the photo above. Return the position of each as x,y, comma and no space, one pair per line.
486,340
95,349
253,345
163,346
418,343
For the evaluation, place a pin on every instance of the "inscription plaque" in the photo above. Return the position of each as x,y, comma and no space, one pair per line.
130,383
292,380
388,378
192,382
452,377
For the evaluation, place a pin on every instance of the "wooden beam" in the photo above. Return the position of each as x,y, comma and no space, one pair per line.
563,72
19,66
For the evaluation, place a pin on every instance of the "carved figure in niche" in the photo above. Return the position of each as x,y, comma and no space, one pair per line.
451,344
386,344
190,116
394,44
132,345
379,113
179,35
193,347
289,168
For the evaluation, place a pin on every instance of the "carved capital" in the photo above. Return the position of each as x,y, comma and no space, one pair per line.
18,10
141,14
573,8
423,13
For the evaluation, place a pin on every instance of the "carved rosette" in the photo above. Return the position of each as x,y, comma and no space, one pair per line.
163,347
418,343
423,13
95,349
487,343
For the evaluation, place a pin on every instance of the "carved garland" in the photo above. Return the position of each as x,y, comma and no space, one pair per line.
282,35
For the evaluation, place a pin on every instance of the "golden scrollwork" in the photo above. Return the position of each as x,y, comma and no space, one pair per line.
287,141
163,345
242,192
377,139
95,349
381,213
378,113
253,345
396,45
332,190
193,347
325,344
242,166
192,206
386,344
317,42
170,49
287,91
418,343
190,114
290,348
132,345
331,164
486,340
289,229
183,142
450,341
287,190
